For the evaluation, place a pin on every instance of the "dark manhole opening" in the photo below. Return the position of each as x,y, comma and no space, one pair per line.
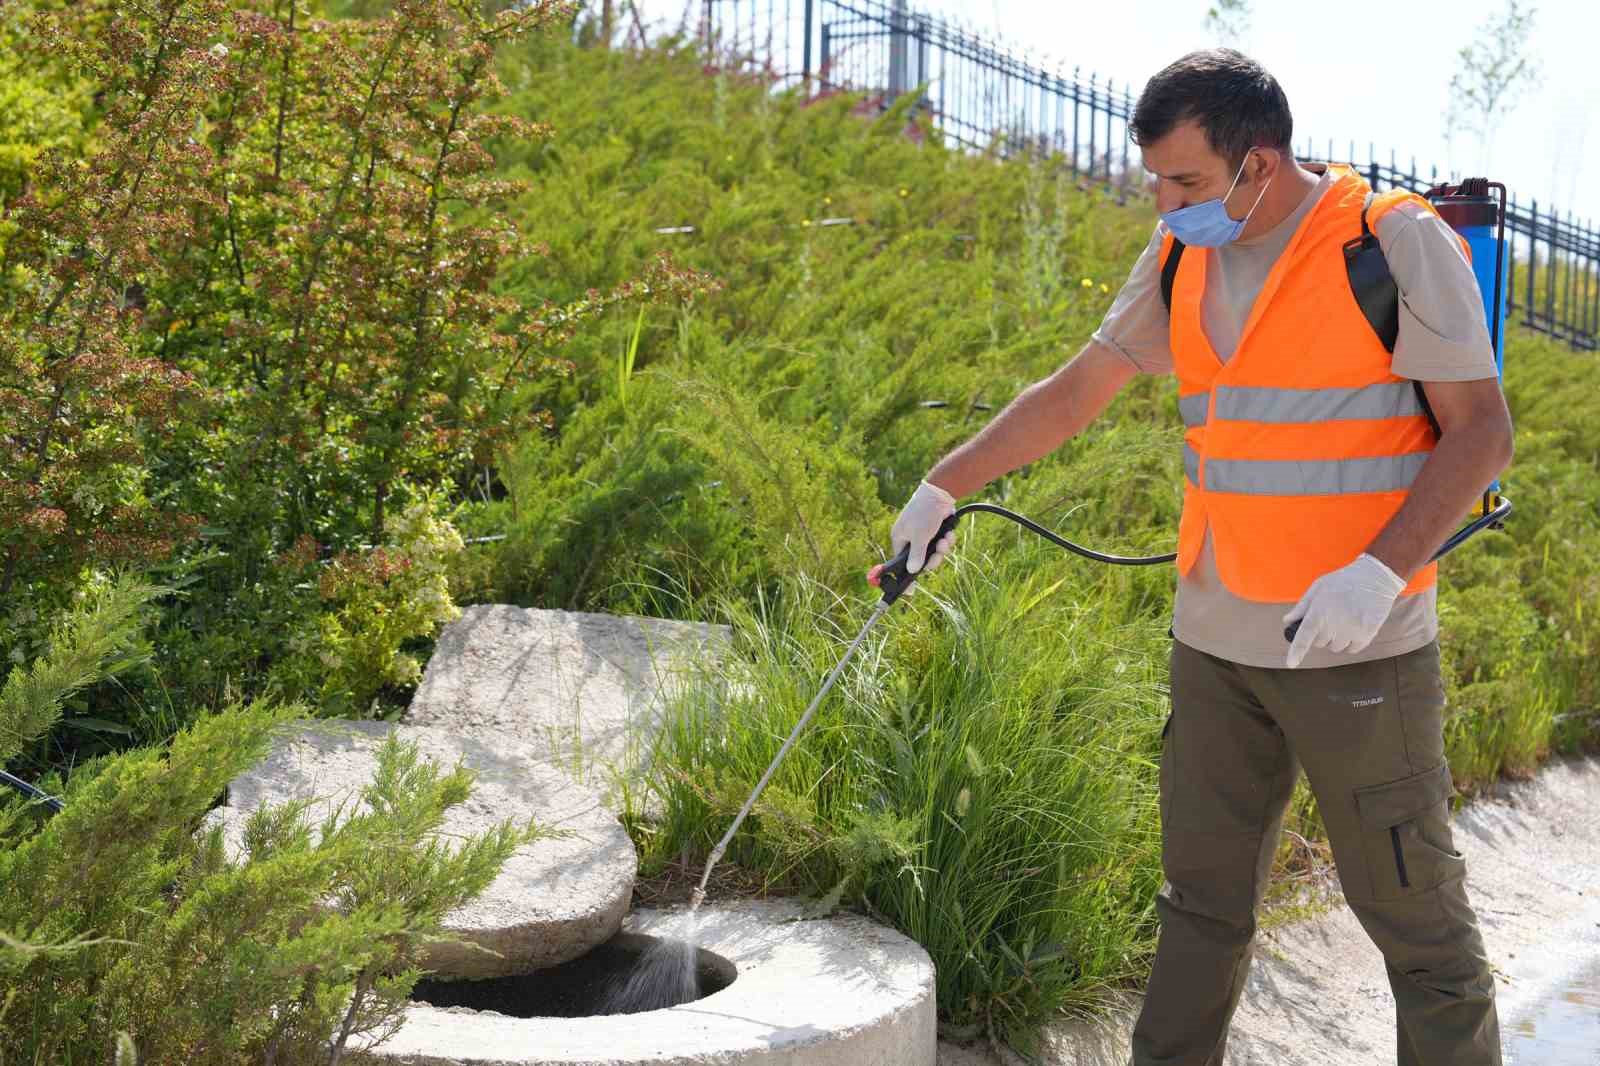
627,974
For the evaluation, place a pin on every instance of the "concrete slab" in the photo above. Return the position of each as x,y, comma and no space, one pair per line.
554,899
841,991
583,691
1317,994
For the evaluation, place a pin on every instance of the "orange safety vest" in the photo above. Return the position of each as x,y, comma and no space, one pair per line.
1301,448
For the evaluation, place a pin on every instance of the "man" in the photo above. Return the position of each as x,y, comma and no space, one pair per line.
1316,489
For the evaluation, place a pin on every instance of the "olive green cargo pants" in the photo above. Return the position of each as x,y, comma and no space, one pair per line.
1369,736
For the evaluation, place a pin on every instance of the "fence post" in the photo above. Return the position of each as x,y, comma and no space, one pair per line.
1372,175
897,50
1111,105
1058,135
919,33
1533,254
1594,262
1075,103
805,70
1552,268
1511,258
1127,120
823,56
1092,126
1572,274
1594,284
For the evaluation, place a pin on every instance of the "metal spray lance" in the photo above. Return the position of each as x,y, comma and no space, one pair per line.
893,578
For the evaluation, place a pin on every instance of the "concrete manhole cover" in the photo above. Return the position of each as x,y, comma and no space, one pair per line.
808,993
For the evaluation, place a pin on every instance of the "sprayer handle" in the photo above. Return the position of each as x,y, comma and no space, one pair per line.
892,576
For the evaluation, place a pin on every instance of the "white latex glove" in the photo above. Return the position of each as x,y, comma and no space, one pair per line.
1343,610
919,520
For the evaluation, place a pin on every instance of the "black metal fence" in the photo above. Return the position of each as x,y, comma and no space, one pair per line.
979,95
983,96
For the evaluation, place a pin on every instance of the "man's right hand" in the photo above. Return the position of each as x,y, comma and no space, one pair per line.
919,521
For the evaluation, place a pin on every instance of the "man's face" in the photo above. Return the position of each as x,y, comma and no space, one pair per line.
1188,171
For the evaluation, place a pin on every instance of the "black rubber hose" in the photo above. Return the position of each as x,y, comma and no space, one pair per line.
1087,553
894,577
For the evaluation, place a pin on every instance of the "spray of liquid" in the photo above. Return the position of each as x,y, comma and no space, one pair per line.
666,975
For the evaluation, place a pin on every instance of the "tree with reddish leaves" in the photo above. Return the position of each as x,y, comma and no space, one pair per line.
264,304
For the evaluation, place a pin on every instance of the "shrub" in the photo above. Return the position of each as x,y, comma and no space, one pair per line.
125,924
370,606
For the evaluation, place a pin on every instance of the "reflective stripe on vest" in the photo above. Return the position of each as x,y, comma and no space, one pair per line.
1320,477
1191,465
1239,403
1255,404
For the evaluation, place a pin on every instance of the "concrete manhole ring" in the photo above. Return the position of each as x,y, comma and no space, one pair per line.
841,990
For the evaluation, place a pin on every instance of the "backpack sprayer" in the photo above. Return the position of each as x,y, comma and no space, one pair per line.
1469,208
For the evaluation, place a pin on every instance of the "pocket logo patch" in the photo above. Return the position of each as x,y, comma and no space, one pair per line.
1366,701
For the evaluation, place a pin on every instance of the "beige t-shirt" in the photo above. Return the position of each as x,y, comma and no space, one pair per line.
1442,337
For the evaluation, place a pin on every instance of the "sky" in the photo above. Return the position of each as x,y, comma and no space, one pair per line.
1377,75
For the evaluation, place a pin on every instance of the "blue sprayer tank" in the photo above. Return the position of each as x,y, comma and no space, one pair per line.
1476,209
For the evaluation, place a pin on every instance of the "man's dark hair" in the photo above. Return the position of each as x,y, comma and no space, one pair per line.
1237,103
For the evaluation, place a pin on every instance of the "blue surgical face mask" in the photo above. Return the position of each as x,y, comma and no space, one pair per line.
1207,225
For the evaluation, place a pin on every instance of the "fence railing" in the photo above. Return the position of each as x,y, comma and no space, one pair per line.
978,94
982,95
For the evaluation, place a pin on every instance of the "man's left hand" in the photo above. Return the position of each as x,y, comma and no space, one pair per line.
1343,610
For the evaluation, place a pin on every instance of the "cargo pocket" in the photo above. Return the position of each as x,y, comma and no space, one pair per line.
1406,834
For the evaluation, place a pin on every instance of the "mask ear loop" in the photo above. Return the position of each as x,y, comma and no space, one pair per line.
1236,176
1261,194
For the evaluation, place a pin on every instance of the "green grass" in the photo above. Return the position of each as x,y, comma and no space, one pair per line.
981,778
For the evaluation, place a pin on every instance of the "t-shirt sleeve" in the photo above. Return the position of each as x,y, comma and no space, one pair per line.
1137,323
1443,335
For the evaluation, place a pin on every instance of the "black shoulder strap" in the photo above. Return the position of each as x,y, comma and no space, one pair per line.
1169,272
1378,296
1371,283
